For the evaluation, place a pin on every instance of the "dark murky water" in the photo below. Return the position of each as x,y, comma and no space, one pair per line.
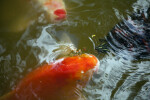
23,49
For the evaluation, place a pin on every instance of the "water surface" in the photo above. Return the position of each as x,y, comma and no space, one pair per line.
24,47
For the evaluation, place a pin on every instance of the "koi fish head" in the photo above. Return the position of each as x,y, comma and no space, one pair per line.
76,68
56,9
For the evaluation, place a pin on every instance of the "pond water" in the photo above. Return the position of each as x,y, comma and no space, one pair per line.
24,47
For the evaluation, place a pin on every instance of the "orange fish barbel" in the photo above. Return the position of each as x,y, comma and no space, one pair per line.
61,80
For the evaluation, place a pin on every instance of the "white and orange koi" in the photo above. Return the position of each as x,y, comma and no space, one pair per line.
55,9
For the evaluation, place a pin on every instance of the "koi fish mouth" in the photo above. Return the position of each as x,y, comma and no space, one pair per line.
60,13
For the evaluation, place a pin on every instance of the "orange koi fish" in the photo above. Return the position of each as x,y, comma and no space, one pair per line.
55,9
61,80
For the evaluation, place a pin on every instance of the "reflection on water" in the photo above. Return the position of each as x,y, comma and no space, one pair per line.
120,79
49,46
88,20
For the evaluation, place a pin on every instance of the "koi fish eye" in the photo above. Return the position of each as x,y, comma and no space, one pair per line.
61,13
